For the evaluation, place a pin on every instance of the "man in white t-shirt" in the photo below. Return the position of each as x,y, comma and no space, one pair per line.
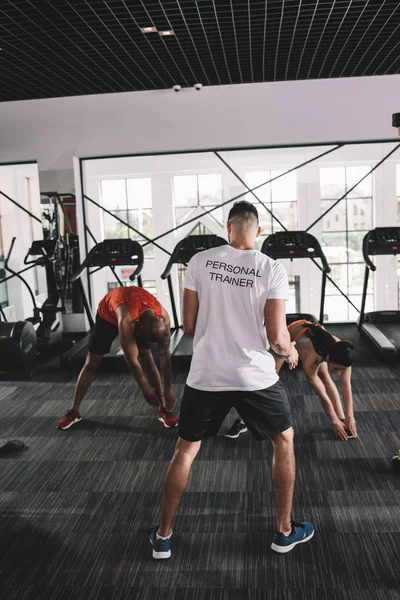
234,305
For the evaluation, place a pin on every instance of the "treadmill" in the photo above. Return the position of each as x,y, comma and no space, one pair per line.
382,327
182,344
109,253
293,245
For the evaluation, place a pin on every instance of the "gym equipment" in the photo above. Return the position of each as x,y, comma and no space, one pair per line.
181,343
45,319
293,245
396,121
109,253
18,346
381,327
396,463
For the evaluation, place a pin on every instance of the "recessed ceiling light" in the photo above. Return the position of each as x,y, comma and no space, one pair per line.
148,29
169,32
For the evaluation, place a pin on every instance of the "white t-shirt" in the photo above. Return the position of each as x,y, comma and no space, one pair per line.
230,348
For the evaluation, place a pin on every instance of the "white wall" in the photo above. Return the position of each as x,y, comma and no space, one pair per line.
54,130
21,183
61,181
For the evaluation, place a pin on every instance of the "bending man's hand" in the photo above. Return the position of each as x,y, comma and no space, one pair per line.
150,395
169,398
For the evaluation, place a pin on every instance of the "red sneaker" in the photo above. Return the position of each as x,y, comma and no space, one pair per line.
168,419
71,417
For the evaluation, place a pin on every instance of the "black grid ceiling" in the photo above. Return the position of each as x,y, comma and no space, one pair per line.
73,47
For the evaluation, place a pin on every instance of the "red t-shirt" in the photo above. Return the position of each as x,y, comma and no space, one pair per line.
135,298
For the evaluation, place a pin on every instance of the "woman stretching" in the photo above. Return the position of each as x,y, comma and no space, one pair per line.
321,353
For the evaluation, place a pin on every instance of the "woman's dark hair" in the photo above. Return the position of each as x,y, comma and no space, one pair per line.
340,353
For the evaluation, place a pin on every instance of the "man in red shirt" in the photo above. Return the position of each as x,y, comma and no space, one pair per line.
138,318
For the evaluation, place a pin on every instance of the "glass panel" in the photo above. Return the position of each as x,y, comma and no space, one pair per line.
356,279
336,308
264,219
184,214
335,220
150,286
359,214
284,189
339,275
185,190
355,240
286,212
369,306
139,193
142,220
217,214
332,182
113,194
113,228
354,174
294,288
335,247
255,178
210,189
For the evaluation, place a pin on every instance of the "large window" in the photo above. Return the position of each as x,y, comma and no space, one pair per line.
280,197
343,230
131,201
193,191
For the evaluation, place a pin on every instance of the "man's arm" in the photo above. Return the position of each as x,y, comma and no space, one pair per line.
277,332
190,308
345,383
126,329
165,362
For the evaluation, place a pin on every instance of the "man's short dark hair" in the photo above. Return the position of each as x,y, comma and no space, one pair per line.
242,209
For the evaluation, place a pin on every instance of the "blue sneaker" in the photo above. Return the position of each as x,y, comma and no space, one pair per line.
301,532
161,548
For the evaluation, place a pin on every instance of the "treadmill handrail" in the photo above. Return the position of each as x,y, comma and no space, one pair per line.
172,259
87,262
366,257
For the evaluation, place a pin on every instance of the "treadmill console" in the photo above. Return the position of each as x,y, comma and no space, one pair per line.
116,252
112,253
193,244
381,240
189,246
290,240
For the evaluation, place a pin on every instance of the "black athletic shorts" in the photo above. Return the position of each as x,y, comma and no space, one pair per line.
103,335
265,412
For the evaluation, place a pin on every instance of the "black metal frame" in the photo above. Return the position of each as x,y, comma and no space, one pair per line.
337,145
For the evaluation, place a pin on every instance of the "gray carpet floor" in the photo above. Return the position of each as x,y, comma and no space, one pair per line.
76,506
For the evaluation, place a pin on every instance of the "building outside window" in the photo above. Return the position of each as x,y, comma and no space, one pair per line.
131,201
194,191
280,197
343,230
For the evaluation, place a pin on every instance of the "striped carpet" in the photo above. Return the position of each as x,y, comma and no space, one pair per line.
76,506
